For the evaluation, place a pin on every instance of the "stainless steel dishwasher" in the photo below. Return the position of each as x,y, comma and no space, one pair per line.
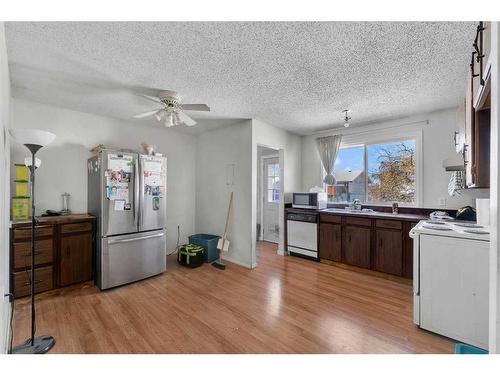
302,234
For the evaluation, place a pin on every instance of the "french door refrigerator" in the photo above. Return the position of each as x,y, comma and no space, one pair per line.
127,194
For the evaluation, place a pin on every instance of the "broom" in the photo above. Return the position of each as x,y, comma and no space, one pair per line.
223,244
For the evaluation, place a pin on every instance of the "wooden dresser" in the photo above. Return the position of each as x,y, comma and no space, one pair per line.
64,253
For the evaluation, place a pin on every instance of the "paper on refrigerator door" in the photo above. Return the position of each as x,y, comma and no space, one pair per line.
153,177
118,176
119,205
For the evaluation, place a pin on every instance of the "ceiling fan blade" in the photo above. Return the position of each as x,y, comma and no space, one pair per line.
186,119
146,114
195,107
152,98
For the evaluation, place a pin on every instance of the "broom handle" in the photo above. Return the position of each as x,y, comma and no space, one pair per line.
225,228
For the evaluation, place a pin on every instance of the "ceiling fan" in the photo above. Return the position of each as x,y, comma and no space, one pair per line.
172,111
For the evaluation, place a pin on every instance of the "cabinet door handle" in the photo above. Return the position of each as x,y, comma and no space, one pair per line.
28,254
36,282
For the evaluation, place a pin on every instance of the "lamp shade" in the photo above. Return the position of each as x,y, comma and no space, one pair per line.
32,136
28,161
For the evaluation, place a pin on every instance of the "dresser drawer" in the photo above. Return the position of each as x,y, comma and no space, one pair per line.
330,219
390,224
22,253
43,281
76,227
358,221
25,232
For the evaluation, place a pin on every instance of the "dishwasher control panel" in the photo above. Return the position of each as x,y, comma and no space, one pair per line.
305,217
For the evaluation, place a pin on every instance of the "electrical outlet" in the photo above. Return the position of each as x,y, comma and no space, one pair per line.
442,201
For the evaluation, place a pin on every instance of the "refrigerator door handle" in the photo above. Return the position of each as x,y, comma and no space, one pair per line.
136,239
141,195
136,194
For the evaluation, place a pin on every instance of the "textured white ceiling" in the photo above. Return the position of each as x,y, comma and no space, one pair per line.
298,76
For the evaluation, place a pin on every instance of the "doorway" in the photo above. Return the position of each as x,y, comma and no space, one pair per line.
270,198
269,189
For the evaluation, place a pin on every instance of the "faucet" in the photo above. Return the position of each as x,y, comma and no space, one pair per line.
355,205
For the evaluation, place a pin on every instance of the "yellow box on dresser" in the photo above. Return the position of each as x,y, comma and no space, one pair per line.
20,208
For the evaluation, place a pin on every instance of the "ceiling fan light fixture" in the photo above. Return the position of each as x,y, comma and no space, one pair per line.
177,119
172,111
169,120
160,115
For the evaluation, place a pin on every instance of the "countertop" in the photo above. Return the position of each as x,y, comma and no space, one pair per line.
375,214
54,219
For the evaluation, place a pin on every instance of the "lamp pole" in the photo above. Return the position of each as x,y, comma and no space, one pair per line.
33,226
34,140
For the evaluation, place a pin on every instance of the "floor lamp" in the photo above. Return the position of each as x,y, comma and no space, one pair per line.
34,140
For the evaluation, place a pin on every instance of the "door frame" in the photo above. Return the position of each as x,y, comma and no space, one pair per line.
262,195
255,187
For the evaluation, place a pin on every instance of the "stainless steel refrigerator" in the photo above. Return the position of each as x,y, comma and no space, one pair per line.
127,194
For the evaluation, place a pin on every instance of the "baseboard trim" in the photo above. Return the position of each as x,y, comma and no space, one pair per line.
237,262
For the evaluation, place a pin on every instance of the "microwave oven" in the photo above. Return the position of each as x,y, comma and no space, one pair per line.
310,200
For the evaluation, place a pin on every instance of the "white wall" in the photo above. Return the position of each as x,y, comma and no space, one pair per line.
290,146
4,192
437,146
494,328
216,149
64,162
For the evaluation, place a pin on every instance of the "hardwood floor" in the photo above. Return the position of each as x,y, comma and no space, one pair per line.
285,305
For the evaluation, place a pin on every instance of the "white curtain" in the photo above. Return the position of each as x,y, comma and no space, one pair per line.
328,148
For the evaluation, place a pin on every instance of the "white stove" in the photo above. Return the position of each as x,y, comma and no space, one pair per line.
450,279
452,228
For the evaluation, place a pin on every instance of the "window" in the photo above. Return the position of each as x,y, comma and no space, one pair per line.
391,172
349,174
377,173
273,183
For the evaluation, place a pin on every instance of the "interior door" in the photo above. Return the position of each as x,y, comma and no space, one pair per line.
119,201
153,186
270,199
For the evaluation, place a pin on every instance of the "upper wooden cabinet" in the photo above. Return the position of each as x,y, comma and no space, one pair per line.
477,111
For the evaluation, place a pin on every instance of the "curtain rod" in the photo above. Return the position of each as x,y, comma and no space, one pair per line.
347,132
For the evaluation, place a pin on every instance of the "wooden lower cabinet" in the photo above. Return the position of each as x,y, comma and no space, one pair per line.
43,281
75,258
388,254
330,242
356,246
379,244
64,249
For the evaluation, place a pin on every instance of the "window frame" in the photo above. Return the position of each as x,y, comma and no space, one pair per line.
365,140
273,178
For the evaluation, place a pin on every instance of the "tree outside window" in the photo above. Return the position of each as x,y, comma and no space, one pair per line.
375,173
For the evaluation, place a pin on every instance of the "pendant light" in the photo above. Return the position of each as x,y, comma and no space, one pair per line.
346,117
